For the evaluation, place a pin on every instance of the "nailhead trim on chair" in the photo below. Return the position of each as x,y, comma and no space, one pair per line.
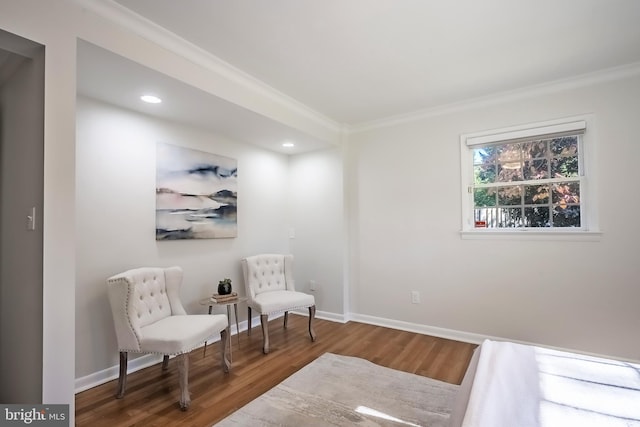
130,285
126,281
167,354
288,309
151,284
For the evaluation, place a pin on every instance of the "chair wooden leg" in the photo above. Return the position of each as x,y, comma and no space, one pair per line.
183,376
248,320
312,315
165,362
122,379
286,319
224,338
264,320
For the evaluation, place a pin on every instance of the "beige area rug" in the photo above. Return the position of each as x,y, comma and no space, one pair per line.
338,390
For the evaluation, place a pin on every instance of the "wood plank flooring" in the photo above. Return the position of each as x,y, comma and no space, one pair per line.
151,398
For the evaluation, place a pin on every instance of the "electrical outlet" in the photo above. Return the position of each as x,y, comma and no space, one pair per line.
415,297
312,285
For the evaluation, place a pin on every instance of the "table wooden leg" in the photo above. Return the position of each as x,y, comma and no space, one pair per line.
204,354
235,309
229,322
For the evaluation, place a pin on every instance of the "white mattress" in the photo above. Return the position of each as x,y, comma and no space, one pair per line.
514,385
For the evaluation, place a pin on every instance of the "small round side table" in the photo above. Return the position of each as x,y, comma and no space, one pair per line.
233,302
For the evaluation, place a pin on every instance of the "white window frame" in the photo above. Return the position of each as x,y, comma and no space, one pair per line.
584,125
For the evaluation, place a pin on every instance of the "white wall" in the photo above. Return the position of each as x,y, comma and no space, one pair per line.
317,220
405,225
115,207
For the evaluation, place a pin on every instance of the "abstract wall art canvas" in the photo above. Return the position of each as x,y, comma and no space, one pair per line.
196,194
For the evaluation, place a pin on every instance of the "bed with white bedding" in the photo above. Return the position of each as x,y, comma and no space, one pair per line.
515,385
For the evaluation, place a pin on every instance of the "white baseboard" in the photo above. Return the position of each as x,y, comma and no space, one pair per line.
109,374
106,375
325,315
421,329
333,317
464,336
144,361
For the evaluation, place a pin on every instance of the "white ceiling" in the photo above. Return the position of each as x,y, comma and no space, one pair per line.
111,78
359,61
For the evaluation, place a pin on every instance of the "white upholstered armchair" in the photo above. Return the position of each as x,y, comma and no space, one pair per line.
268,279
149,318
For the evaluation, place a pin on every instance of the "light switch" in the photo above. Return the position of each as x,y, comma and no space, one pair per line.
31,219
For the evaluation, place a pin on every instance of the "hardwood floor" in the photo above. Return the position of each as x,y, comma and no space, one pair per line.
151,397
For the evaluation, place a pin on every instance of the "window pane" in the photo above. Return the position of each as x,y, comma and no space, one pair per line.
515,183
509,152
565,193
510,195
536,217
566,146
535,149
564,167
485,217
509,162
509,172
484,156
509,217
536,194
536,169
566,217
484,197
484,174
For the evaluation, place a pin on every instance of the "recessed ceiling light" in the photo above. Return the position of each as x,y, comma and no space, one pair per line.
288,144
151,99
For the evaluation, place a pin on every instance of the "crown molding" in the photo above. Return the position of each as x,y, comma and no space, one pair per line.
143,27
601,76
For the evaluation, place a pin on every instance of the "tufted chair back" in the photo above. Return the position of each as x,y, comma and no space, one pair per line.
141,297
268,280
268,272
149,318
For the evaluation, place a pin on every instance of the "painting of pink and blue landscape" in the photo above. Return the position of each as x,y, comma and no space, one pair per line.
196,194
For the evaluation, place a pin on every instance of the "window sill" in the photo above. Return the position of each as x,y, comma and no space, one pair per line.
528,234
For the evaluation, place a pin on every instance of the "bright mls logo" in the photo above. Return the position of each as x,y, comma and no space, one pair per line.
37,415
